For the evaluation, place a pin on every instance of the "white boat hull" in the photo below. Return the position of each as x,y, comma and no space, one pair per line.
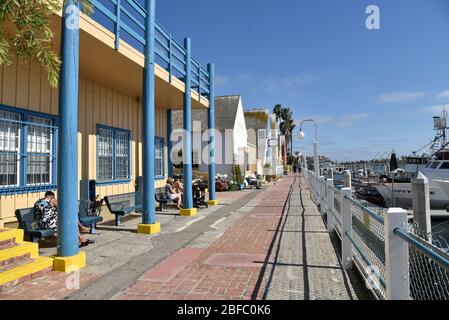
403,195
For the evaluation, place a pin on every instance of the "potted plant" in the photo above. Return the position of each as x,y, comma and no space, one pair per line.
237,177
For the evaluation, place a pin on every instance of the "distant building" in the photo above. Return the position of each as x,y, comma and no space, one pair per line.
231,146
257,125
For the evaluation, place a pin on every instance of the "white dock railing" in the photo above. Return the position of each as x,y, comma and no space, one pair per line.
396,261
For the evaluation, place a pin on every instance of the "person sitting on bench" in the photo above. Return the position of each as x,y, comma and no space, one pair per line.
46,216
253,181
178,185
171,194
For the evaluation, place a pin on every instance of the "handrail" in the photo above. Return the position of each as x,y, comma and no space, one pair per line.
170,49
373,214
437,257
365,258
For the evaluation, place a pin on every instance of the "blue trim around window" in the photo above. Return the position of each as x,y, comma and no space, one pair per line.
22,187
114,181
160,142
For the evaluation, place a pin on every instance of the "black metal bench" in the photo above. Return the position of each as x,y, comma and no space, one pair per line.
162,199
25,217
85,219
123,204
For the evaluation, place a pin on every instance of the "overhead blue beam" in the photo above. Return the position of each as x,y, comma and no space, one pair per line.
148,116
211,125
67,171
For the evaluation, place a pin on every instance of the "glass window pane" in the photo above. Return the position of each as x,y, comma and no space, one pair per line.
9,148
104,149
159,157
39,155
122,155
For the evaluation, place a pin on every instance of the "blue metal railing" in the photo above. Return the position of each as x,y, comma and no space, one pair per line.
125,18
431,252
365,258
370,212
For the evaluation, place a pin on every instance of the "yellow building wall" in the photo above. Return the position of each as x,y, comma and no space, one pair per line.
252,158
25,86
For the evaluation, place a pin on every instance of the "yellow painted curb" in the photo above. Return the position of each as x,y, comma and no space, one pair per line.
20,250
149,228
16,234
39,264
188,212
212,202
70,264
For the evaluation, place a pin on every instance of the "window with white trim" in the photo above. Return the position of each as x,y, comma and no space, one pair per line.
159,157
27,155
39,150
113,154
9,148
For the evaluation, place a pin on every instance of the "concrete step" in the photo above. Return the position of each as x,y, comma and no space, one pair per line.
5,244
18,251
11,234
23,270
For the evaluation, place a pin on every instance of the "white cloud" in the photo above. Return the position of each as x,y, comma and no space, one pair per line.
444,95
344,121
222,81
435,109
401,96
289,86
319,119
348,120
237,79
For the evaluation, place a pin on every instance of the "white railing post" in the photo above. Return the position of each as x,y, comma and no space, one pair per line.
330,205
396,256
322,196
346,228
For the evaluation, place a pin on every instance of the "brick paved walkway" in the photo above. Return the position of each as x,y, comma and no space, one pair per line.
235,266
268,244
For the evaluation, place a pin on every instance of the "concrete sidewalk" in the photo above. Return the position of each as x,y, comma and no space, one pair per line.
307,266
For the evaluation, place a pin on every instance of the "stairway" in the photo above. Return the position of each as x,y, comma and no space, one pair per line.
19,260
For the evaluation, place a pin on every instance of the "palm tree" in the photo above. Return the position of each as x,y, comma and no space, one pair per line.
277,111
287,124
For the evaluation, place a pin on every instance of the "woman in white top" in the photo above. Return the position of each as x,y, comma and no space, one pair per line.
171,194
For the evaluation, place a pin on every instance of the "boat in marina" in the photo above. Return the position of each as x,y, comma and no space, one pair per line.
396,187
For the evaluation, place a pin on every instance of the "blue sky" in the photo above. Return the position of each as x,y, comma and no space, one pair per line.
370,90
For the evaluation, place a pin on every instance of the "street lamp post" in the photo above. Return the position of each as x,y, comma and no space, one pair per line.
316,161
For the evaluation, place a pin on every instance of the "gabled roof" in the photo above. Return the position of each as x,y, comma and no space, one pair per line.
257,119
226,108
226,111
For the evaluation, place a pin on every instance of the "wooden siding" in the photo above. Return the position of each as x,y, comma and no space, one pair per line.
25,86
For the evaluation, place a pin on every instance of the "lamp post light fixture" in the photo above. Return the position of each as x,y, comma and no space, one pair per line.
301,136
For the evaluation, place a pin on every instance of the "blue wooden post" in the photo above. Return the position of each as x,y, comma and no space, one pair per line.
149,224
188,209
68,254
211,124
169,142
118,10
